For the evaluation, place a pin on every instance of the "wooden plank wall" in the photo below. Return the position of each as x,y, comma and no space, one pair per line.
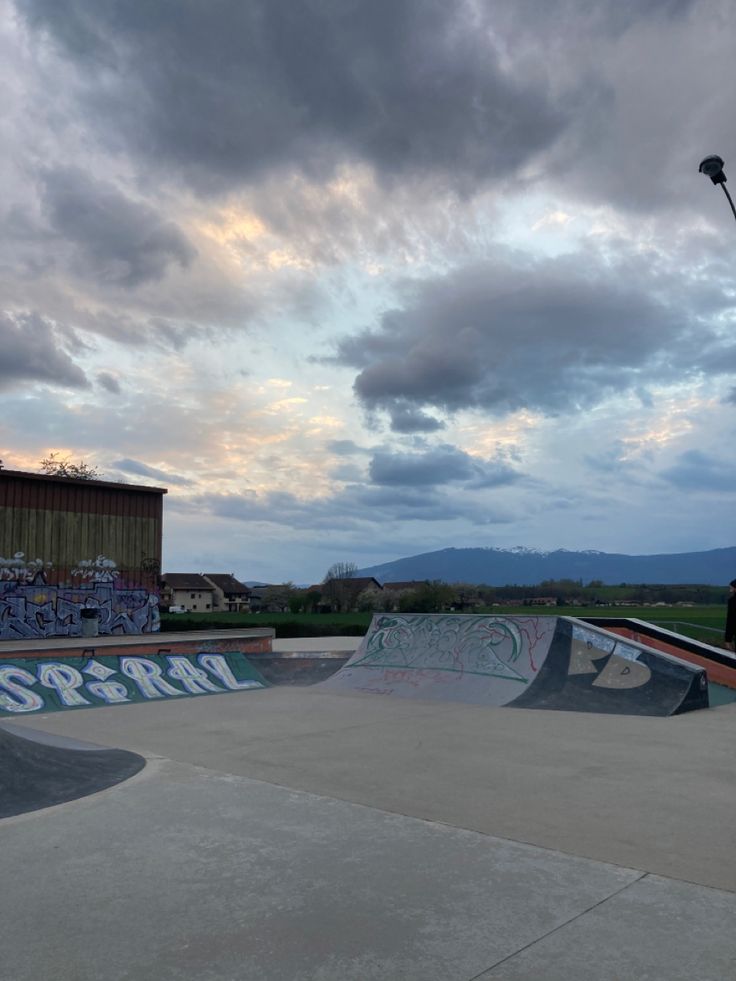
63,522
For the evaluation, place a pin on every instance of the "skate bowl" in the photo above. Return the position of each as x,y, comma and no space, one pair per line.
38,770
541,662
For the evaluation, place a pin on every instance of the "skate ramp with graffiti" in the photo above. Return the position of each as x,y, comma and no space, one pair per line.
541,662
97,678
38,770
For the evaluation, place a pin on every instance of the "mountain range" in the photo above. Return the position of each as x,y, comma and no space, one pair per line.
527,567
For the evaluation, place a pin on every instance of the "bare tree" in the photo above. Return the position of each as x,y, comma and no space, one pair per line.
55,467
334,588
341,570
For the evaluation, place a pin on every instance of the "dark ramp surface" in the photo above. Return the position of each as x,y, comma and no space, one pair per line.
542,662
591,670
38,770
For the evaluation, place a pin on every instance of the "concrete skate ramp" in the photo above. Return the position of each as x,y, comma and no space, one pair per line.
38,770
524,662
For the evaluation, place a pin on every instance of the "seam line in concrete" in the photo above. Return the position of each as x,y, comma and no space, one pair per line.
487,972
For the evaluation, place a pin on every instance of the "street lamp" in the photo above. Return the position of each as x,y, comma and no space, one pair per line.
713,167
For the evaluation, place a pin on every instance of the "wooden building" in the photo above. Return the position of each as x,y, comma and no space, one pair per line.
73,550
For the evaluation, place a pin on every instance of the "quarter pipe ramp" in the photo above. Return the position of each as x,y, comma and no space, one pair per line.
542,662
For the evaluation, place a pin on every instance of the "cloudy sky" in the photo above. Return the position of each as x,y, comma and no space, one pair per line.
358,279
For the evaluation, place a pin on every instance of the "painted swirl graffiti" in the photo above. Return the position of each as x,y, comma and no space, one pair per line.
488,646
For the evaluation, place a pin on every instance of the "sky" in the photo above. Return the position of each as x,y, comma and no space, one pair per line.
361,279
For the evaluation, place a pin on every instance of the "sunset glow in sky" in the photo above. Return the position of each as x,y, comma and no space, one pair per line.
358,279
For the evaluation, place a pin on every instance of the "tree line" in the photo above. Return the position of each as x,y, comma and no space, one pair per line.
337,593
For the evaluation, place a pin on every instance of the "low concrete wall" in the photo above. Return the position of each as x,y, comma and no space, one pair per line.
299,668
256,641
58,674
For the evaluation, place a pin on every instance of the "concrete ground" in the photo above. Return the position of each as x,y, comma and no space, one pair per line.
299,835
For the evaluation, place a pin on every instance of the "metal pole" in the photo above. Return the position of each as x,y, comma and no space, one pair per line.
725,191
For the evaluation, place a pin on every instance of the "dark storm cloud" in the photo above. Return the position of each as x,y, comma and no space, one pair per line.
439,465
225,93
552,336
32,350
697,471
662,76
605,100
405,419
356,508
124,242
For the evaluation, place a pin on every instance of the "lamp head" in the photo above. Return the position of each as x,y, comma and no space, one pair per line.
713,167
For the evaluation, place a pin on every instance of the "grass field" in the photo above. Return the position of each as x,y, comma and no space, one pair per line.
700,622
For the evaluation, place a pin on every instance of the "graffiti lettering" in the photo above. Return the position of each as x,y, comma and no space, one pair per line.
55,611
100,569
623,673
65,680
111,692
583,655
31,686
147,675
622,668
194,679
20,569
217,665
13,696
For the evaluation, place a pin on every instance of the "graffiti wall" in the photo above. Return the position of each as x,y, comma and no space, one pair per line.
34,603
30,685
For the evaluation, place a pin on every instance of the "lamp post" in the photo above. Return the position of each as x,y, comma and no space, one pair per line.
713,167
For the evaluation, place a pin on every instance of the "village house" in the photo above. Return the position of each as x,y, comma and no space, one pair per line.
230,596
187,591
209,592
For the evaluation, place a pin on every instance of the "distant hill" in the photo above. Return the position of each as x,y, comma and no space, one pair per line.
527,567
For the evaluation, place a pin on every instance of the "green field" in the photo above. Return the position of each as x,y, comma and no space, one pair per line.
700,622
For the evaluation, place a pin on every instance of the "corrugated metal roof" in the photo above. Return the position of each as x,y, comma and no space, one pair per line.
37,492
27,475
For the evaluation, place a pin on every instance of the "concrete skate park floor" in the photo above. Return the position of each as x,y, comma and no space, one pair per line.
299,835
